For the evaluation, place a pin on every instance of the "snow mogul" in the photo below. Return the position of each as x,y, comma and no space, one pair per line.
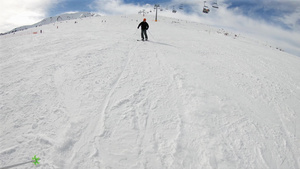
145,27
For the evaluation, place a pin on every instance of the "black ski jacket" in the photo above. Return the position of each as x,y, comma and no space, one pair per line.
144,25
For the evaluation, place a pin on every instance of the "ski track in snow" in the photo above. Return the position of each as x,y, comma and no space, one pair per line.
97,98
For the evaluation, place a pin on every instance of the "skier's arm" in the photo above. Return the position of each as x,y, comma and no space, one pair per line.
139,25
147,26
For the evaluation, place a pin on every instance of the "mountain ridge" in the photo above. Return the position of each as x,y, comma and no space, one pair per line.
53,19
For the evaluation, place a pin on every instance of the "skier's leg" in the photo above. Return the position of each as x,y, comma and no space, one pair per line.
146,35
142,34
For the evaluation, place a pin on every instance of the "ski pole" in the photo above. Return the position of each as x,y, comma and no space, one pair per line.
35,161
15,165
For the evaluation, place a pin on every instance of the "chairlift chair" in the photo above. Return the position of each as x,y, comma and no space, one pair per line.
205,8
215,5
174,11
181,7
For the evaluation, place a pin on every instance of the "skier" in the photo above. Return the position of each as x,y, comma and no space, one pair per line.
145,27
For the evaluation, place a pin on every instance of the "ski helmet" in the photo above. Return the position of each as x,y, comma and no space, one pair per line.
144,19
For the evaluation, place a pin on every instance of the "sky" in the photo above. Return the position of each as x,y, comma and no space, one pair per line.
275,21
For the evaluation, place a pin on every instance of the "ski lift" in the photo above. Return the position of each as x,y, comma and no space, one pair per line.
215,5
181,7
205,8
174,11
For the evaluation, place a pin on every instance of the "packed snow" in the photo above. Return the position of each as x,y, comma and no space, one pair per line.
89,95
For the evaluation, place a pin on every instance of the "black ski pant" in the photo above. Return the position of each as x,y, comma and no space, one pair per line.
144,32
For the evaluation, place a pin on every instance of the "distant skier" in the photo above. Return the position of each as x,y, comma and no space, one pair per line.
145,27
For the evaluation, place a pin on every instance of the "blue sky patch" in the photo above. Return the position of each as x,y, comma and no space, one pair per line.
71,5
268,11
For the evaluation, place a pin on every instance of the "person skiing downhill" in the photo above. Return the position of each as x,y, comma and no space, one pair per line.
145,27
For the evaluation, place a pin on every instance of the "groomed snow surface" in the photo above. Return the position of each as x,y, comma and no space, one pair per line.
89,95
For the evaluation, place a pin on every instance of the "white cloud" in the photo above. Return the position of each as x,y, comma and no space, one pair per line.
115,7
274,34
22,12
292,19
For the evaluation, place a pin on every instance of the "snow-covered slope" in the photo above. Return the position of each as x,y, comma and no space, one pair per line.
89,95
